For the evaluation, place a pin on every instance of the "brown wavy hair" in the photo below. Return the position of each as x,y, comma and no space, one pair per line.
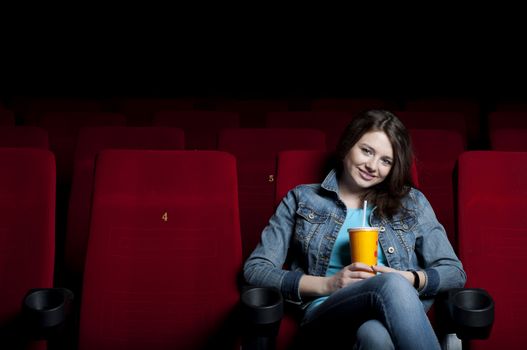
388,194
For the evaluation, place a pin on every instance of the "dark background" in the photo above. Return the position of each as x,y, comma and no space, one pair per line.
264,53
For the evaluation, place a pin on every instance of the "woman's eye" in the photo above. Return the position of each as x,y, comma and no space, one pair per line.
366,151
387,162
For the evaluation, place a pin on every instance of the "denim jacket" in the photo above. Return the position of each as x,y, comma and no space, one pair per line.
304,228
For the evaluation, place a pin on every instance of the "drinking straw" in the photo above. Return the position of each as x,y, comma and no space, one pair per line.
364,214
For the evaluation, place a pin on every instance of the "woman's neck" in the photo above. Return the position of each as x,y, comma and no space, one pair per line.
350,197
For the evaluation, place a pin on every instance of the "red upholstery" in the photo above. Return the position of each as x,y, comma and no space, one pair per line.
453,121
27,226
256,151
470,108
164,251
23,136
91,141
436,153
492,237
201,127
63,128
508,140
332,123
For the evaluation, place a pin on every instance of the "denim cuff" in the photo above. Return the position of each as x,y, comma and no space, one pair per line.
432,283
290,286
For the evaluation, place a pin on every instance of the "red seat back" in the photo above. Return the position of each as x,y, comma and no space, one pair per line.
492,236
164,251
436,154
469,108
201,127
27,226
332,123
452,121
91,141
508,140
63,129
23,136
256,151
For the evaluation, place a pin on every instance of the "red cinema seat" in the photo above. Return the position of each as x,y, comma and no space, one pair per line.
63,129
452,121
332,123
469,108
492,235
23,136
256,151
164,253
92,140
201,127
436,154
27,228
295,168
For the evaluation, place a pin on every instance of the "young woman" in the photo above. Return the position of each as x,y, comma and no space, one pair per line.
372,307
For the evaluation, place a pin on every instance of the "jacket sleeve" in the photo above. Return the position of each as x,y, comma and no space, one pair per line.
264,267
443,268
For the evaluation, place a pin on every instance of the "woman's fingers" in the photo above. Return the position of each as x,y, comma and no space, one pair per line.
358,266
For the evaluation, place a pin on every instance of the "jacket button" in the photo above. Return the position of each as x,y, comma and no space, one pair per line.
311,216
382,229
391,250
405,226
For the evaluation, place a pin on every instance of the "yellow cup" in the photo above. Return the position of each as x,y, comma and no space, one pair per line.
363,244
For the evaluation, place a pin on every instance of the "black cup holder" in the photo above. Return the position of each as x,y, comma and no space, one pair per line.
262,312
262,305
472,311
45,309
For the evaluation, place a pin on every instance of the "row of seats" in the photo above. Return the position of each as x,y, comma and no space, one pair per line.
469,115
255,150
164,252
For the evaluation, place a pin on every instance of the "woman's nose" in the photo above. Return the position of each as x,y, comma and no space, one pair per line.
370,165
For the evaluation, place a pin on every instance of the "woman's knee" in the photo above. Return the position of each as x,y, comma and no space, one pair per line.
373,335
394,287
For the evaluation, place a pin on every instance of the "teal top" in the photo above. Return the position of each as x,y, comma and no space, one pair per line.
340,255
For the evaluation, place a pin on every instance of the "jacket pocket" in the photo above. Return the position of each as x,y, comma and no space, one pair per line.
308,222
404,230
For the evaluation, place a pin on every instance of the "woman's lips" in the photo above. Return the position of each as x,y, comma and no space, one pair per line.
366,175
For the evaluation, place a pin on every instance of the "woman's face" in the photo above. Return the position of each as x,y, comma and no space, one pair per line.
369,161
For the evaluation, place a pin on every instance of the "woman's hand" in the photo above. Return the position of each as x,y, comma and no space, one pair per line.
383,269
350,274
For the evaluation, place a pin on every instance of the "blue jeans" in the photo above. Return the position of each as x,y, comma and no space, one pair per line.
382,312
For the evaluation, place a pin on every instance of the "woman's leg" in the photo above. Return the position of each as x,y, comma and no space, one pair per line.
372,335
388,298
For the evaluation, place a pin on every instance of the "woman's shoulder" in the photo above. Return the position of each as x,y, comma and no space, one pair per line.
415,197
